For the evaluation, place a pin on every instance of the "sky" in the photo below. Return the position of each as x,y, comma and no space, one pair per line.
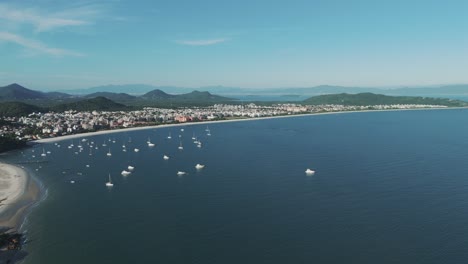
51,44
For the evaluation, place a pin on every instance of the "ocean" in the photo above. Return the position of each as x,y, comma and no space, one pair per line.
389,187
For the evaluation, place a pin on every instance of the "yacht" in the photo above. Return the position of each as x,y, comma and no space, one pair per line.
109,153
165,157
180,146
169,137
150,144
130,168
181,173
309,172
109,183
125,173
199,166
43,153
136,150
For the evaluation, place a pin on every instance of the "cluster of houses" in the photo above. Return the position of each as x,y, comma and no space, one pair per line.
42,125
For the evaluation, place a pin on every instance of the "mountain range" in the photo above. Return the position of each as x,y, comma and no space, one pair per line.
139,89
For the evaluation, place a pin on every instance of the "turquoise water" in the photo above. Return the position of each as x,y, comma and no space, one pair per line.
390,187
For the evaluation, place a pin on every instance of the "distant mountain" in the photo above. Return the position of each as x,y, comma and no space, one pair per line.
17,92
120,97
133,89
98,104
157,94
18,109
379,99
201,96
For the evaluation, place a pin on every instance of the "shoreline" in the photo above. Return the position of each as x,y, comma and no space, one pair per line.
21,190
130,129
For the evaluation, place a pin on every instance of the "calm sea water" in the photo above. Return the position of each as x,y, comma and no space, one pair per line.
390,187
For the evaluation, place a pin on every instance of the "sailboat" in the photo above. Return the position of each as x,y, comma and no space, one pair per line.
193,137
207,129
43,153
169,137
150,144
109,153
165,157
109,183
180,146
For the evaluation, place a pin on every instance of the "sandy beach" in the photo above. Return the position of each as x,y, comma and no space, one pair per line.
19,192
103,132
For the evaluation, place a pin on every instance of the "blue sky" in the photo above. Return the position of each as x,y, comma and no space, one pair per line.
53,44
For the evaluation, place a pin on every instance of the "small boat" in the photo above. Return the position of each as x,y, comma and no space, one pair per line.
207,129
199,144
130,168
193,137
309,172
150,145
180,146
169,137
181,173
72,181
109,153
165,157
199,166
182,129
136,150
126,173
87,165
43,153
48,152
109,183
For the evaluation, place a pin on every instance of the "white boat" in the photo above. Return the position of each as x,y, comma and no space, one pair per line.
43,153
193,137
48,152
165,157
136,150
87,165
199,144
180,146
109,153
181,173
72,181
207,129
109,183
150,145
126,173
182,129
199,166
130,168
148,141
169,137
309,172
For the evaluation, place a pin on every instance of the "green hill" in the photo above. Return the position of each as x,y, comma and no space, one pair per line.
17,92
98,104
379,99
18,109
119,97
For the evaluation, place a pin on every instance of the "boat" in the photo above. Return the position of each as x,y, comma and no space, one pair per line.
109,183
309,172
199,166
130,168
72,181
169,137
150,144
165,157
109,153
207,129
43,153
126,173
136,150
193,137
180,146
182,129
181,173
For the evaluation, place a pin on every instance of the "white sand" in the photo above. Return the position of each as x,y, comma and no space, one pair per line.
103,132
13,181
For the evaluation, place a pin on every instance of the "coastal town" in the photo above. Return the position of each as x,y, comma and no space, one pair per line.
52,124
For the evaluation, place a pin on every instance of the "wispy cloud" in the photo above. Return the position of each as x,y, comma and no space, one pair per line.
202,42
45,21
36,46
